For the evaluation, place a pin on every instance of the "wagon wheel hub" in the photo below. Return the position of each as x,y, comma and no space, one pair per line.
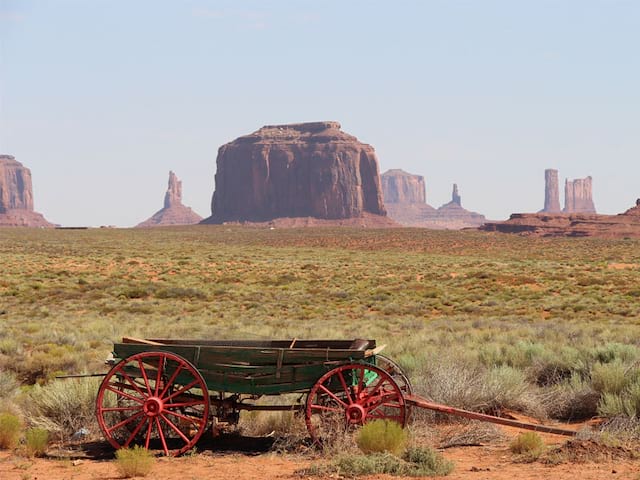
153,406
356,414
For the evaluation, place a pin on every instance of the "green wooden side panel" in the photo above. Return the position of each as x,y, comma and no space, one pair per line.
253,370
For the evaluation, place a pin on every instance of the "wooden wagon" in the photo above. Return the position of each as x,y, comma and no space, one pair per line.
164,394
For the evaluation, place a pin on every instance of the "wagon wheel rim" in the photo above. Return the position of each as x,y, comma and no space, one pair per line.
153,399
349,396
396,372
400,377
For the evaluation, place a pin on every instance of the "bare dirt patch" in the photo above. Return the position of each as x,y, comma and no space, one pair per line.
571,460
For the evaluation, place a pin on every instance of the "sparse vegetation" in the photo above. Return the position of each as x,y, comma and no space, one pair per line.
415,462
134,462
36,441
10,430
380,436
528,446
480,321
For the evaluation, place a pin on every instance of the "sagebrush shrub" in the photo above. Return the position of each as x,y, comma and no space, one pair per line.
528,444
380,436
36,441
10,428
134,462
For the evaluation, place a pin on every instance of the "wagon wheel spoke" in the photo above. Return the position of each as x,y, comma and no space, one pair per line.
120,409
170,381
161,434
325,408
183,404
149,433
332,395
123,394
360,379
125,422
182,416
344,385
144,376
161,361
174,428
182,390
133,384
135,432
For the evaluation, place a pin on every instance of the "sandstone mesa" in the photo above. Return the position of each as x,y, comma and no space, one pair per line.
313,172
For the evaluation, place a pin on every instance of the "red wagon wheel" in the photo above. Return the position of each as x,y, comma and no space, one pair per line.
349,396
396,372
155,399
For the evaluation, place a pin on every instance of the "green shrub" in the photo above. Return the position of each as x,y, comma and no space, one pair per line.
10,428
416,462
609,377
374,464
427,462
380,436
134,462
528,445
36,441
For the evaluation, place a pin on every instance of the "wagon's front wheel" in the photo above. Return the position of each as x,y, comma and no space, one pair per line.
156,399
349,396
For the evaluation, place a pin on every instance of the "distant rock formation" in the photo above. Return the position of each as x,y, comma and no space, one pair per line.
455,196
405,200
578,196
624,225
16,196
174,212
399,186
453,216
304,170
551,192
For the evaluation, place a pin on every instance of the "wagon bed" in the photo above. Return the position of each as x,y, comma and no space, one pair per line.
258,367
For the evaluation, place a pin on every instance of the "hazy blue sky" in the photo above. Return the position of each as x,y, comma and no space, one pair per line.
100,99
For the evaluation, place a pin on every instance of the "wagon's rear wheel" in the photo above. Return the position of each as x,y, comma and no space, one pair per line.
349,396
396,372
155,399
400,377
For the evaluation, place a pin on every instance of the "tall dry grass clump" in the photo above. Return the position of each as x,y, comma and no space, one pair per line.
63,407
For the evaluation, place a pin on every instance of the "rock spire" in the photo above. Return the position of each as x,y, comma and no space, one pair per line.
173,212
551,191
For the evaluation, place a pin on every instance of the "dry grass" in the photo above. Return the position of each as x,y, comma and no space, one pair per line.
542,326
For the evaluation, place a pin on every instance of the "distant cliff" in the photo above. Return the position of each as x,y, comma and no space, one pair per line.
623,225
405,201
16,196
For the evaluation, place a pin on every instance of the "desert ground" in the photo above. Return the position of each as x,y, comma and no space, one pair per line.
541,328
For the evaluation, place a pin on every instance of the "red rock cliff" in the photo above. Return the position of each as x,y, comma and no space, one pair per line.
297,170
16,196
399,186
